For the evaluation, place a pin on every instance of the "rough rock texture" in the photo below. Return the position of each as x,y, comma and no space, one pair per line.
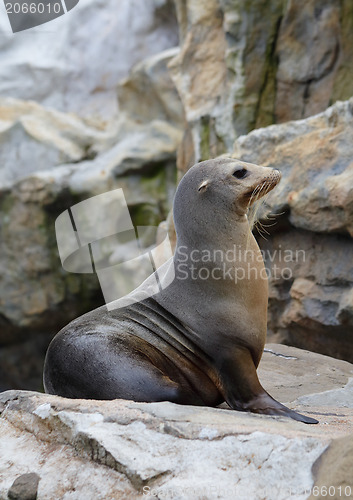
36,292
51,159
95,449
315,158
332,470
249,63
75,62
25,487
309,252
34,138
148,93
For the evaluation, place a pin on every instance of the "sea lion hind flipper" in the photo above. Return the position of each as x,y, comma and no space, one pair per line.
242,389
267,405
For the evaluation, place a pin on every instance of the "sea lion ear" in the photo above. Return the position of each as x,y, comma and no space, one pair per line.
203,186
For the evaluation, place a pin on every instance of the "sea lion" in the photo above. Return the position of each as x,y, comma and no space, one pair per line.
198,340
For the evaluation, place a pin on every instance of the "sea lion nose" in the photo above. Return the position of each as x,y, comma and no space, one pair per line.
276,175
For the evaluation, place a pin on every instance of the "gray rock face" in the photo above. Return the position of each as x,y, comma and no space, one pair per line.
331,469
68,143
36,291
34,138
308,254
314,156
96,449
75,62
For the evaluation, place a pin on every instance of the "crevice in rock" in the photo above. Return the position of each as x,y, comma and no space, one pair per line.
271,67
92,449
307,84
279,354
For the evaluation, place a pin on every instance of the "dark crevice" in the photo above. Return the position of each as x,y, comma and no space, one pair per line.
309,82
271,63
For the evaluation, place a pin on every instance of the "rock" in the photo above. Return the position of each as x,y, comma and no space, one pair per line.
314,156
308,50
51,160
101,449
201,88
308,253
38,295
199,73
332,471
296,376
311,279
74,63
24,487
148,93
245,64
34,138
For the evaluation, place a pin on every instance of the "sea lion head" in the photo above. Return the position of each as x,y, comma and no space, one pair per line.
216,193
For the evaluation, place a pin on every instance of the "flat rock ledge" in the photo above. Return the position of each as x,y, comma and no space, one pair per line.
52,447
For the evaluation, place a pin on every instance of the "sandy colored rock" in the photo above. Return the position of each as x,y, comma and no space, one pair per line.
314,156
249,64
308,252
148,93
201,89
333,471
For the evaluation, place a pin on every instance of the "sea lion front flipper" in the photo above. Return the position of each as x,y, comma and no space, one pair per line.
242,389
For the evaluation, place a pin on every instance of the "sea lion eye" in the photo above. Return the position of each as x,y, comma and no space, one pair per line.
240,174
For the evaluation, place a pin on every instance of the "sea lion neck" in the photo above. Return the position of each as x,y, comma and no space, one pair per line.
226,234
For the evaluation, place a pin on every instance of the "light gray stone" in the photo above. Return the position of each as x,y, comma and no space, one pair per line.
75,62
142,163
24,487
88,448
34,138
314,156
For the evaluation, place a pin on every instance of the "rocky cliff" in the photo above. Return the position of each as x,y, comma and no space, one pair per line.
247,64
62,143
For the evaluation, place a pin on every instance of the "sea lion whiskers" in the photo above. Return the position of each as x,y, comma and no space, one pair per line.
260,191
255,203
